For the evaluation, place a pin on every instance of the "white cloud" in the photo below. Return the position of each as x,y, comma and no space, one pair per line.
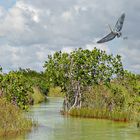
67,49
29,9
67,15
98,46
32,29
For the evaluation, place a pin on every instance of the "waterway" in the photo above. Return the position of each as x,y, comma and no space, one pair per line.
54,126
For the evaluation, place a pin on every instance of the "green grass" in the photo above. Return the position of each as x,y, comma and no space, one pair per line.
119,101
37,96
55,92
124,116
12,120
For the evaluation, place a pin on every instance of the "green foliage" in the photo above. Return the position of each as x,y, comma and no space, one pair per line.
132,82
114,97
86,66
56,92
37,96
0,69
79,69
56,69
37,79
12,120
15,87
121,98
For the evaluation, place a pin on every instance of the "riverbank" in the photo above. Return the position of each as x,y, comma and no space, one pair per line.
12,119
121,116
119,101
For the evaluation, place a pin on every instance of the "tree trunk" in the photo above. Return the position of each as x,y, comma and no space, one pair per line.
77,101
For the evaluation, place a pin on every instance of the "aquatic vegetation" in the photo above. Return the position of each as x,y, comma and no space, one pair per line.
124,116
12,119
119,101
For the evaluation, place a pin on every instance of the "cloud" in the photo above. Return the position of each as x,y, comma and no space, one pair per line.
99,46
32,29
130,55
15,57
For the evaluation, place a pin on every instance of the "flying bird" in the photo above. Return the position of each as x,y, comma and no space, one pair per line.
115,32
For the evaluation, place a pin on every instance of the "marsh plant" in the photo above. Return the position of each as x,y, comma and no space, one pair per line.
12,119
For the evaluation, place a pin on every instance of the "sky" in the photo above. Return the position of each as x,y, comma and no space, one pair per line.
32,29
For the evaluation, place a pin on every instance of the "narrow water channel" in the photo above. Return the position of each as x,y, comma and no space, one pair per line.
54,126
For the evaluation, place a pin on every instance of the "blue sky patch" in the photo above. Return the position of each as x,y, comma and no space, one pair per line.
7,3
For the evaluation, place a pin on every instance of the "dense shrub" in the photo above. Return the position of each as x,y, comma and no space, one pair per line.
79,69
16,88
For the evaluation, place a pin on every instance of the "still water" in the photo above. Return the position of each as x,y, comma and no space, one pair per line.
54,126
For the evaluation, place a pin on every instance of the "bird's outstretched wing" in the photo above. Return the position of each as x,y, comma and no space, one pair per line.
119,23
109,37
